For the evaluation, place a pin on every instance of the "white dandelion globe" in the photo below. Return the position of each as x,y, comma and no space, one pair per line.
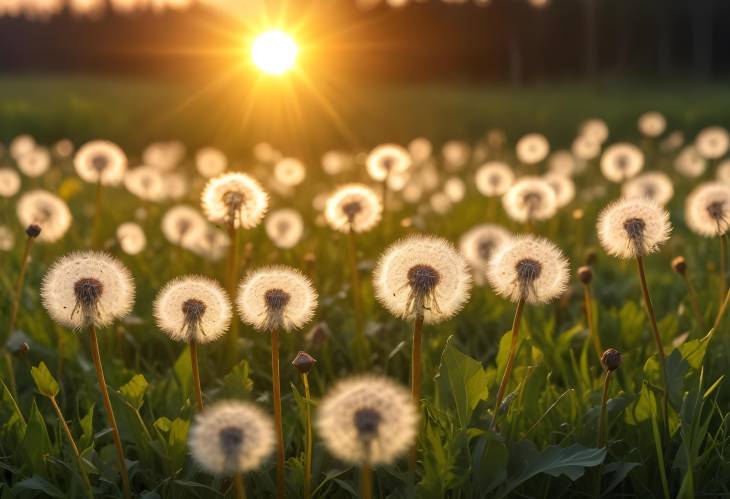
707,209
690,163
563,186
456,154
367,420
633,227
284,227
529,268
585,148
494,178
7,238
478,244
455,189
595,129
22,145
532,148
652,124
290,172
420,149
87,288
131,238
235,198
336,162
562,162
621,161
182,224
210,162
387,159
212,244
47,210
164,155
146,183
530,198
712,142
722,173
276,297
656,186
9,182
101,161
353,207
231,437
35,163
424,276
192,309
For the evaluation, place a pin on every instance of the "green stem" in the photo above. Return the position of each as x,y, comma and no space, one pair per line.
309,440
723,269
592,329
694,302
416,371
603,423
95,236
360,340
276,382
510,361
196,375
721,312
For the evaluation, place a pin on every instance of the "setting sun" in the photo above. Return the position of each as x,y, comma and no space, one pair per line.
274,52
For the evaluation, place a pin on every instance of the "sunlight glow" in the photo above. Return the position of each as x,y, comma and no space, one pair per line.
274,52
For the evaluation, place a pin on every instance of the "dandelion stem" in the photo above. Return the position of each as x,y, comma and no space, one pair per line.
360,340
232,271
277,414
694,301
196,374
239,485
603,423
72,442
723,267
97,216
94,344
510,360
592,329
416,371
366,481
19,284
308,444
721,312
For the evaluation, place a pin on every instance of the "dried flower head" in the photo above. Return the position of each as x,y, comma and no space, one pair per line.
494,178
101,161
7,238
633,227
182,225
276,297
210,162
193,309
562,162
532,148
621,162
367,420
353,207
529,268
235,198
146,183
303,362
712,142
679,265
231,437
290,172
655,186
87,288
9,182
652,124
585,274
131,238
48,211
595,129
611,359
563,186
387,159
479,243
707,209
690,163
284,227
530,198
422,276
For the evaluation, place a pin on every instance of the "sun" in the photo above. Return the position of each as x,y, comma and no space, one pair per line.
274,52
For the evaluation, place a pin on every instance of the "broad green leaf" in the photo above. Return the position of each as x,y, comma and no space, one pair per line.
36,443
489,463
45,383
133,392
37,483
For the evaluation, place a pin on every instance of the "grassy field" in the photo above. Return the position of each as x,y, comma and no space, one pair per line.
547,443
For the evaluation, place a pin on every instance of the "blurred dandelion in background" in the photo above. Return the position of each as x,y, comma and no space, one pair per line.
48,211
131,238
353,207
101,161
9,182
530,199
621,161
655,186
284,227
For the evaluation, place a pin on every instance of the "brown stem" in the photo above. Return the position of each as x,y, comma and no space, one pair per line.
721,312
231,281
416,371
196,375
694,302
366,481
602,424
72,442
360,341
592,329
97,215
309,440
94,343
276,382
239,485
723,270
510,361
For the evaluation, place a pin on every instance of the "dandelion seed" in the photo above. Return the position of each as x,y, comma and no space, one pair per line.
422,276
635,227
182,225
35,163
290,172
690,163
532,148
652,124
655,186
367,420
563,186
528,268
387,159
707,209
210,162
131,238
146,183
101,161
284,227
87,288
621,162
494,178
235,199
9,182
231,437
353,207
479,243
48,211
530,198
712,142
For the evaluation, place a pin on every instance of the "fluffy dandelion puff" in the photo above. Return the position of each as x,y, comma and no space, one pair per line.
456,154
532,148
387,159
655,186
479,243
335,162
131,238
621,162
235,198
530,198
101,160
211,244
529,268
367,420
146,183
35,163
231,437
585,148
290,172
22,145
176,185
420,149
353,207
712,142
455,189
633,227
672,142
422,275
210,162
707,209
276,297
690,163
9,182
182,224
494,178
563,186
722,173
164,155
47,210
652,124
562,162
7,238
284,227
193,309
87,288
595,129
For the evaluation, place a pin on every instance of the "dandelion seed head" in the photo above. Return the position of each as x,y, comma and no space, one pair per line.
290,172
690,163
530,268
235,198
621,161
707,209
7,238
585,148
182,225
353,207
35,163
276,297
101,161
494,178
422,275
9,182
655,186
530,198
722,173
193,309
165,155
210,162
211,244
532,148
367,419
562,162
456,154
231,437
633,227
455,189
284,227
387,159
672,142
64,148
176,185
87,288
131,238
22,145
479,243
146,183
563,186
595,129
712,142
652,124
48,211
420,149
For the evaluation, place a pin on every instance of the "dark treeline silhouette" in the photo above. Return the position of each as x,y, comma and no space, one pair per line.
509,40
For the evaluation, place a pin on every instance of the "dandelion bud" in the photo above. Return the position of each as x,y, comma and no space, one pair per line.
591,256
303,362
33,230
611,359
679,265
585,274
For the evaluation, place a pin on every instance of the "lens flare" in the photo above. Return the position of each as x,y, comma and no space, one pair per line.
274,52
